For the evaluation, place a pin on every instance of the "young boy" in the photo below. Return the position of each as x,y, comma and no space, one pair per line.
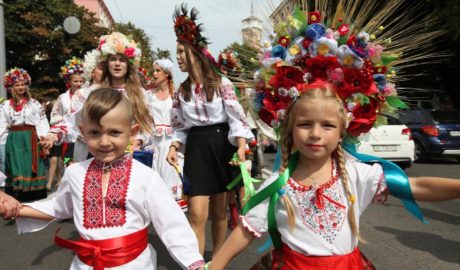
113,198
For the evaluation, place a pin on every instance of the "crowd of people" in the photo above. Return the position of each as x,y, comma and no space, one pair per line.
197,136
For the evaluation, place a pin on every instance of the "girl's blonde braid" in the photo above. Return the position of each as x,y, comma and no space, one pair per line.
351,197
171,86
286,148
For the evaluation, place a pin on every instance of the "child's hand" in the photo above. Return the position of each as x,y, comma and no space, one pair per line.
172,156
241,153
9,206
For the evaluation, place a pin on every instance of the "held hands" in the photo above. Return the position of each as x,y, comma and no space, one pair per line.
47,142
9,207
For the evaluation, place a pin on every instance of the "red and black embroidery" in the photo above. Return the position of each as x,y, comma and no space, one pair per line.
115,201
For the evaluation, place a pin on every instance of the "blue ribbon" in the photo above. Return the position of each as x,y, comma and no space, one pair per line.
277,164
396,180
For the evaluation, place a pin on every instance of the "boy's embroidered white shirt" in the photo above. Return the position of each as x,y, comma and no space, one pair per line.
321,232
32,113
198,112
147,200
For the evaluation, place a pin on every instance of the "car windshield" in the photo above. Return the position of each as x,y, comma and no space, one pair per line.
447,117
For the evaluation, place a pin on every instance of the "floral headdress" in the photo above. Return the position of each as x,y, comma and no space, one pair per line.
14,75
119,43
307,49
228,61
72,66
188,31
90,62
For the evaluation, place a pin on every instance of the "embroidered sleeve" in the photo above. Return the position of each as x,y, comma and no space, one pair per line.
382,191
3,120
42,126
169,221
57,113
238,123
180,132
196,265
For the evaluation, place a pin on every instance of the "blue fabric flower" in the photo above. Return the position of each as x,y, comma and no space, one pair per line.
279,51
380,81
315,31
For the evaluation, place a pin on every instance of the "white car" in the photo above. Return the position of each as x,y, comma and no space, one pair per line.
392,142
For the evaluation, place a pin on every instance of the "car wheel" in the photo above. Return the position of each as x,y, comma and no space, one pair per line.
420,153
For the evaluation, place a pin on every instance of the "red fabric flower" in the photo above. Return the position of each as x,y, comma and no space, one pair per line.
267,116
356,80
286,76
129,52
314,17
284,41
343,29
319,65
364,117
306,43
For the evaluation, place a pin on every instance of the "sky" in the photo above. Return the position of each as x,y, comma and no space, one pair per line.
221,20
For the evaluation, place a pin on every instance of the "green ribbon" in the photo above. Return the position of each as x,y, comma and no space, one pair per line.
248,181
273,192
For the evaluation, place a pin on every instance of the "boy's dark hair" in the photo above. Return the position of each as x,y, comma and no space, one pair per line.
101,101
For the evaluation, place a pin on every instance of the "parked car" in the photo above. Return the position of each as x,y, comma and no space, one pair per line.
435,132
392,142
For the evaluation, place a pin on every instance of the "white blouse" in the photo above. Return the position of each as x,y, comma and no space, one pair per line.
161,111
61,107
134,203
32,113
321,231
198,112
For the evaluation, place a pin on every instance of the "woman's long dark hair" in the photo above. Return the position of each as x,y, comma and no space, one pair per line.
203,69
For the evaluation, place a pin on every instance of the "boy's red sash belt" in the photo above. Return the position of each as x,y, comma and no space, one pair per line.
289,259
108,252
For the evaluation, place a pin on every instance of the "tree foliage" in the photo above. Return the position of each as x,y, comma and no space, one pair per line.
35,38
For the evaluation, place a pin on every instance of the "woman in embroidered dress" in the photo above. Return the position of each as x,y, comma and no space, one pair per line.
161,105
24,119
326,191
71,72
120,58
210,122
110,200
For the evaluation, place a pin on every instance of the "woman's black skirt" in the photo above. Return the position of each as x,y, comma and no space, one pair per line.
207,154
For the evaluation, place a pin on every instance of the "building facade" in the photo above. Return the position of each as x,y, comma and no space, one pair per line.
100,9
252,30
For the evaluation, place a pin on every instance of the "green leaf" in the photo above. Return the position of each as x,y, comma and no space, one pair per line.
396,102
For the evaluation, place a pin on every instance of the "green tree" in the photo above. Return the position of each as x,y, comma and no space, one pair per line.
160,54
36,40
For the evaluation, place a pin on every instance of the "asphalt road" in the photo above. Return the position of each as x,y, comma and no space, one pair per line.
394,239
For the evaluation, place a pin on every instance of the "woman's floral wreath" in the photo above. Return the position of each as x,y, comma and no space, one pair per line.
72,66
228,61
14,75
90,62
189,32
121,44
305,50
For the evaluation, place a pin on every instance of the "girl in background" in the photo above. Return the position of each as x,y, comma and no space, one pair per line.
24,119
210,122
71,73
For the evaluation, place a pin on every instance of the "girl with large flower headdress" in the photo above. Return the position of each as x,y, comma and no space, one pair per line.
210,122
321,85
24,119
